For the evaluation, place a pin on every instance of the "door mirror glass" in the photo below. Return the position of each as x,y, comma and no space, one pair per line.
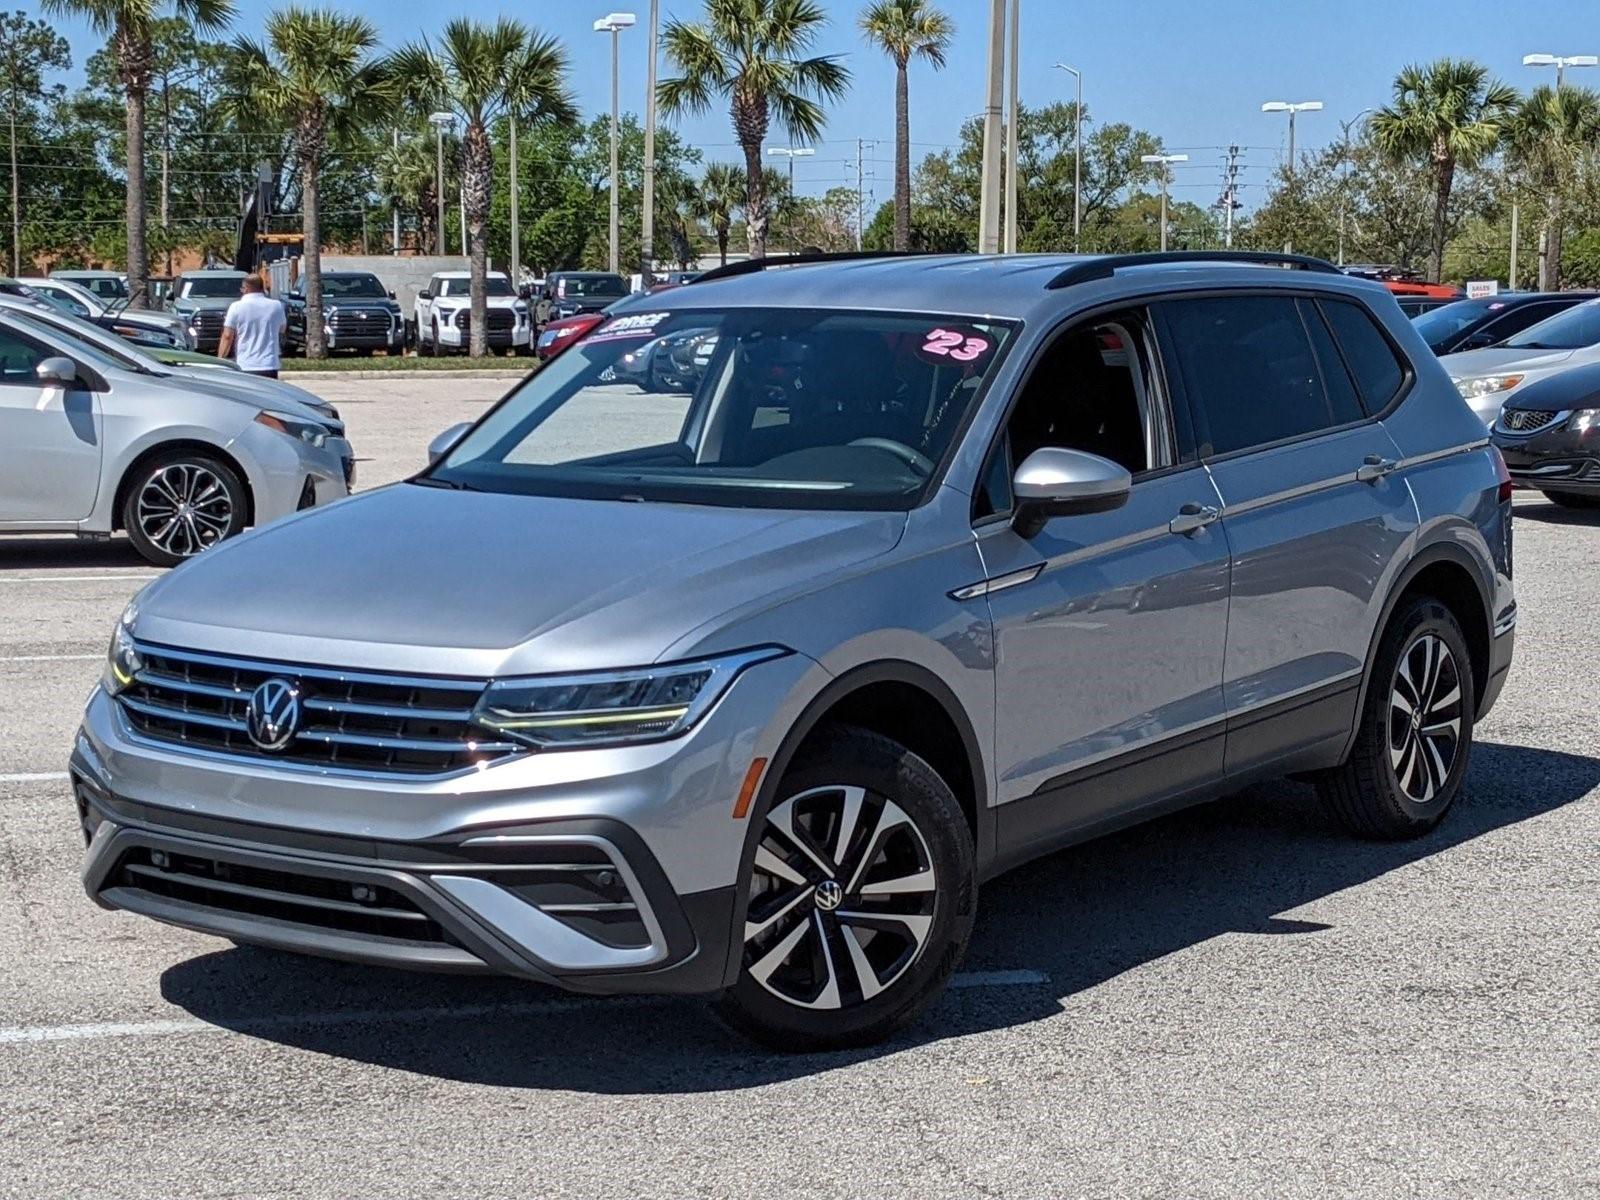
446,441
425,294
1055,482
57,370
391,293
1479,341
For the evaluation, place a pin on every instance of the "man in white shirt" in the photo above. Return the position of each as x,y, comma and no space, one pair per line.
253,330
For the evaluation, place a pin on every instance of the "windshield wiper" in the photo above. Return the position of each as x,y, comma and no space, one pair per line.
454,485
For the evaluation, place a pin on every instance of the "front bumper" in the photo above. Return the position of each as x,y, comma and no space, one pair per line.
605,870
287,475
1561,459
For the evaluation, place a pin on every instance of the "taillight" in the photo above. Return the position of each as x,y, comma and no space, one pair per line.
1506,486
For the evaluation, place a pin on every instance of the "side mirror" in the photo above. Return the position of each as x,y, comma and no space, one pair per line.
424,294
391,293
1053,482
1479,341
57,371
446,441
525,292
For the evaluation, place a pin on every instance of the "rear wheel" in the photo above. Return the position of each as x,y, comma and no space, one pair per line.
1415,734
1573,499
860,898
179,504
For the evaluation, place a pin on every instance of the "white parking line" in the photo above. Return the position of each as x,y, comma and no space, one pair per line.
34,777
29,1034
71,578
49,657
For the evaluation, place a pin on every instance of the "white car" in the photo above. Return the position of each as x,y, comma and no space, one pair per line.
443,314
1488,378
116,316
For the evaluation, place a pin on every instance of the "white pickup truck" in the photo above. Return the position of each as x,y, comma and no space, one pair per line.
443,315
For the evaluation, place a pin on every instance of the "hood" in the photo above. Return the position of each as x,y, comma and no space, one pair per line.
150,320
413,578
242,389
203,303
1499,360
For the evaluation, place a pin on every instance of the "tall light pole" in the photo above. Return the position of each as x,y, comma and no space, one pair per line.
647,232
1344,182
1077,159
1550,242
1165,161
516,230
791,153
1012,133
614,24
989,189
1294,110
1560,62
440,122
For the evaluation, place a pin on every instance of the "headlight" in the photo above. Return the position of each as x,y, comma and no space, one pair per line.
1584,420
612,708
306,431
1486,385
122,659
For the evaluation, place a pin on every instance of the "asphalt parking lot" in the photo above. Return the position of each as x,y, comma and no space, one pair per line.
1236,1001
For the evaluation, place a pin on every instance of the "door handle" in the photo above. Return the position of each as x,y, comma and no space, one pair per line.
1375,467
1193,517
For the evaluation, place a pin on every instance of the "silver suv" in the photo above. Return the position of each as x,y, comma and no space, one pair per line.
906,571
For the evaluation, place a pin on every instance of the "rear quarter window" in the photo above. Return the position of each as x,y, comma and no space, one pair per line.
1372,359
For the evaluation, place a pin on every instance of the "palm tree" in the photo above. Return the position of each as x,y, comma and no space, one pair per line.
318,75
405,180
719,198
129,25
904,29
1544,138
1449,113
483,72
750,53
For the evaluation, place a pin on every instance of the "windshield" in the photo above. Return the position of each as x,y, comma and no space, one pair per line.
212,289
1577,327
365,287
591,285
741,408
494,285
1438,325
126,354
80,348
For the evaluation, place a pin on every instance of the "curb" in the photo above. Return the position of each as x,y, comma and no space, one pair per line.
397,373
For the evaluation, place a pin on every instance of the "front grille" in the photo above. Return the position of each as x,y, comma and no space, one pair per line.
1526,420
501,320
207,324
349,906
360,324
352,720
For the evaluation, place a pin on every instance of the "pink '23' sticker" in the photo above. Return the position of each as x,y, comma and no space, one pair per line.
955,345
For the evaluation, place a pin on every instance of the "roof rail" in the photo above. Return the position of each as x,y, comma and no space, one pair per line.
1105,266
751,265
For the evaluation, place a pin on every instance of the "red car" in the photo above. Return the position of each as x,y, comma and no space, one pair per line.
558,335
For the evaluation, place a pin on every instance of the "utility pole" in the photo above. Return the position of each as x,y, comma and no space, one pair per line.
989,190
1511,276
647,233
16,202
861,201
516,232
1011,132
1077,158
1230,195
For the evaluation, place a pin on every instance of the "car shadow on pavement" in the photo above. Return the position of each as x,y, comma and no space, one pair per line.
60,553
1552,513
1081,916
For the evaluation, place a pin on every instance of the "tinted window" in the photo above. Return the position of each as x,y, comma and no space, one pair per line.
1522,318
363,286
1439,326
1571,330
1368,354
18,358
214,288
1343,402
1249,369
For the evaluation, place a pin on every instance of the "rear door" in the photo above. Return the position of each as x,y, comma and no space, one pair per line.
50,440
1314,516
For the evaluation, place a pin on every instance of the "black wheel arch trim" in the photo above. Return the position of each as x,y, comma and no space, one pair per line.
812,716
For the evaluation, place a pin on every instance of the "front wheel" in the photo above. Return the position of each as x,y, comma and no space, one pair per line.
1415,729
179,504
861,897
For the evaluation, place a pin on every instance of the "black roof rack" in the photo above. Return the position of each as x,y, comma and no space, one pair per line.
751,265
1105,266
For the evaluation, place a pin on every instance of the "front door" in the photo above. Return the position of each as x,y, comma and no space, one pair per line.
1109,627
50,440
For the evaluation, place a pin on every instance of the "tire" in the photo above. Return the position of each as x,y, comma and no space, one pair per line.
180,503
1400,780
1573,499
428,347
806,981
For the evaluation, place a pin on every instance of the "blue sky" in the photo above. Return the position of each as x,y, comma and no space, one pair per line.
1193,73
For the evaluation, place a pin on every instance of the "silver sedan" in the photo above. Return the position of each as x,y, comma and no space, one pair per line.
91,443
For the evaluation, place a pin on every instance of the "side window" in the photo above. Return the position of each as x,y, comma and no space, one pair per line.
1344,405
18,358
1522,318
1372,360
1249,370
1092,389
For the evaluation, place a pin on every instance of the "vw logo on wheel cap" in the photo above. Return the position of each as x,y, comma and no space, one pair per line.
829,895
273,714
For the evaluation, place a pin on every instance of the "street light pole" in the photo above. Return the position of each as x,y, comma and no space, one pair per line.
516,240
1277,106
1165,161
440,122
1550,241
791,153
1077,159
1012,133
647,232
1344,188
614,24
989,188
1560,62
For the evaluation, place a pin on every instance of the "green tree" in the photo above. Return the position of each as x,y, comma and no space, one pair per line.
28,49
318,73
1449,113
752,53
405,170
718,201
904,29
1547,140
128,24
483,72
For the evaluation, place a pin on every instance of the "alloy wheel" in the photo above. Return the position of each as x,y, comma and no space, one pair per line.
842,898
1425,715
183,508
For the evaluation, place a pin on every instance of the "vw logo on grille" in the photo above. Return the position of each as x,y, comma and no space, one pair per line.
273,714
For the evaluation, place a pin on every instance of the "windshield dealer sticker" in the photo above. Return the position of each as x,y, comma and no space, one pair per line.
955,345
638,325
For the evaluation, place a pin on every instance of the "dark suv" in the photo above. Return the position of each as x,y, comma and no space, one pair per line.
570,293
